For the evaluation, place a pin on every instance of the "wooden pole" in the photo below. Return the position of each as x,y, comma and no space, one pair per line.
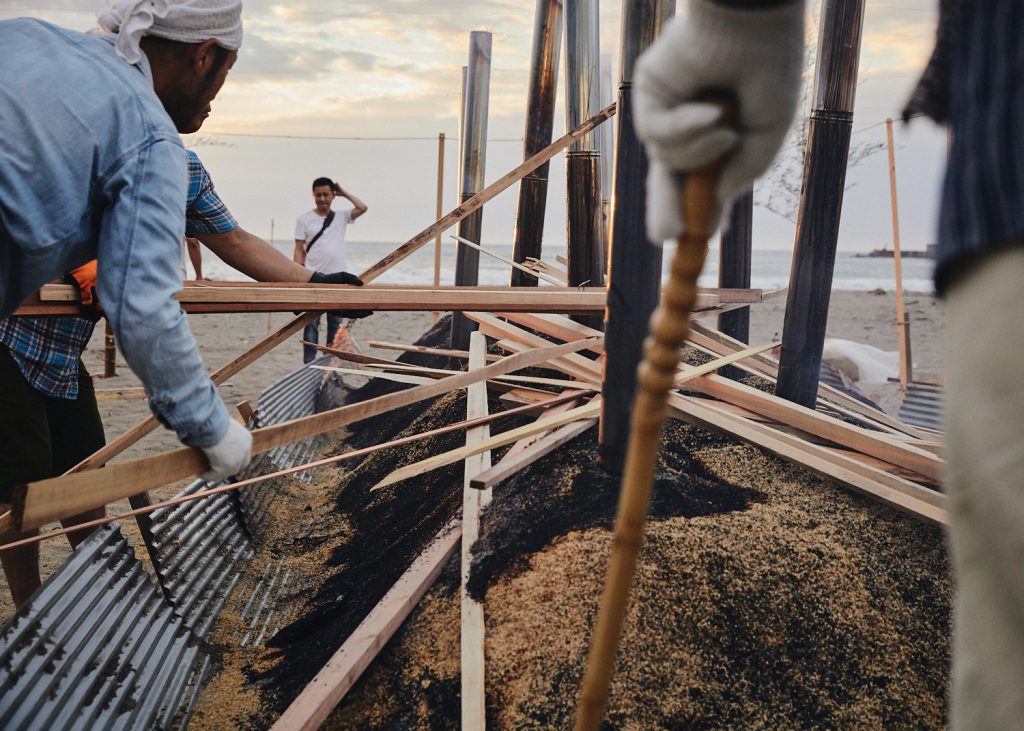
735,252
585,227
902,325
440,211
669,327
634,274
540,118
821,200
474,153
109,351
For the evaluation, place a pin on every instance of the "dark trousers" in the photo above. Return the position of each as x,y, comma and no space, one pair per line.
42,436
312,331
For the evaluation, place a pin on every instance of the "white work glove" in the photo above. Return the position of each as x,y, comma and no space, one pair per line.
754,55
230,455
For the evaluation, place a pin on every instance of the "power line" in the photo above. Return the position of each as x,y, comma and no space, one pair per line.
335,137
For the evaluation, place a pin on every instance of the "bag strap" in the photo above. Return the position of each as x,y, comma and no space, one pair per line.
327,222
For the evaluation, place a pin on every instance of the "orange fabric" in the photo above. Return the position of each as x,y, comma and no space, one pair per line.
85,278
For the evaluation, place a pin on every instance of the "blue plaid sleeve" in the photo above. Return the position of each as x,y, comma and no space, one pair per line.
205,212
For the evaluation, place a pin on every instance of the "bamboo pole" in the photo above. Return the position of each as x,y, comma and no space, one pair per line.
440,212
902,326
669,327
109,352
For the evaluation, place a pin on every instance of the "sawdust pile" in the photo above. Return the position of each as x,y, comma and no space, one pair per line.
766,598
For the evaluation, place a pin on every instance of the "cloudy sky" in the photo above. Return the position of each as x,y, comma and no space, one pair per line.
358,90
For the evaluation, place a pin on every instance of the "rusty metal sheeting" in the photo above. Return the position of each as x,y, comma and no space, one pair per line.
98,647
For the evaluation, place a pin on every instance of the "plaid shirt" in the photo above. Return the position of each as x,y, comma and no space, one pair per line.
47,349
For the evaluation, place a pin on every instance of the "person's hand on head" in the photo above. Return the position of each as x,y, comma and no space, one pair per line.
753,55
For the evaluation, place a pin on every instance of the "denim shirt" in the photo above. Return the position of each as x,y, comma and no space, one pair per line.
91,167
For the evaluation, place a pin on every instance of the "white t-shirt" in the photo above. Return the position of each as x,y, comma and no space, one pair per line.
328,253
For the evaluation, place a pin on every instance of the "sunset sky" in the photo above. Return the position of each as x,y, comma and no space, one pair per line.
376,69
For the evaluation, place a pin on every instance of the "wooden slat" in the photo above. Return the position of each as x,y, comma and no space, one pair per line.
102,456
540,448
532,272
499,440
474,203
472,612
446,352
329,686
61,497
893,491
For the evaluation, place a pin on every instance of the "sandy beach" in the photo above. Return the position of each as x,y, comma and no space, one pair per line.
863,317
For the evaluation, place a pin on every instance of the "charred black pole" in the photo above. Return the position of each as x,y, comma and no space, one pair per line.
540,119
821,200
474,150
582,165
734,260
634,277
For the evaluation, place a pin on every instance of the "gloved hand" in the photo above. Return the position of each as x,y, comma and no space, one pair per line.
335,278
755,55
230,455
341,278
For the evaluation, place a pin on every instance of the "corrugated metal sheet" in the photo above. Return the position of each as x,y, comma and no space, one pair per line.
922,405
102,645
97,647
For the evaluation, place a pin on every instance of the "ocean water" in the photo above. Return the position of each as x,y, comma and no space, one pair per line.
770,269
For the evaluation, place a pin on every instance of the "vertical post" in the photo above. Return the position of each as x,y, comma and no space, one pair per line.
734,261
606,148
467,263
582,165
902,326
440,212
540,119
270,321
821,200
109,351
634,277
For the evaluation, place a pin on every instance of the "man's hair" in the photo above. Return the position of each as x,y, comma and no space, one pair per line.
320,182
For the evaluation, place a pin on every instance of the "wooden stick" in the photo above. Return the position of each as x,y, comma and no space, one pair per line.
435,315
474,203
102,456
341,672
473,501
540,448
901,315
532,272
457,455
894,491
447,352
531,408
60,497
669,326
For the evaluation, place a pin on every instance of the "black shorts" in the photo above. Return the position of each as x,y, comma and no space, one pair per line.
42,436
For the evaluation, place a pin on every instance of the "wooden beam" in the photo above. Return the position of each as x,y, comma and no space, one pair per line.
61,497
893,491
445,352
540,448
531,272
470,206
102,456
336,678
473,501
457,455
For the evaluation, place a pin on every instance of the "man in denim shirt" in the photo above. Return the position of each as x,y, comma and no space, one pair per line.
92,167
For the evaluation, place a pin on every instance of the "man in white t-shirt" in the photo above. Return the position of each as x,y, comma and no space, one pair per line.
320,242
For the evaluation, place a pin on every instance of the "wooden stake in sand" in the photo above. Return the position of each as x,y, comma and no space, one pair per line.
473,501
669,327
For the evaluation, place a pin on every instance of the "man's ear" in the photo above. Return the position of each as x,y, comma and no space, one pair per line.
205,56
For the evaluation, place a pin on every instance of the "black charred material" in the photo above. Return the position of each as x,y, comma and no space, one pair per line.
540,118
821,200
734,262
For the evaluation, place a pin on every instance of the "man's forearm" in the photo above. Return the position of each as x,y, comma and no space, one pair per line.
253,256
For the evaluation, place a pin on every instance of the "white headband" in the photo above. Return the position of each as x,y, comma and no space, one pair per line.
187,21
